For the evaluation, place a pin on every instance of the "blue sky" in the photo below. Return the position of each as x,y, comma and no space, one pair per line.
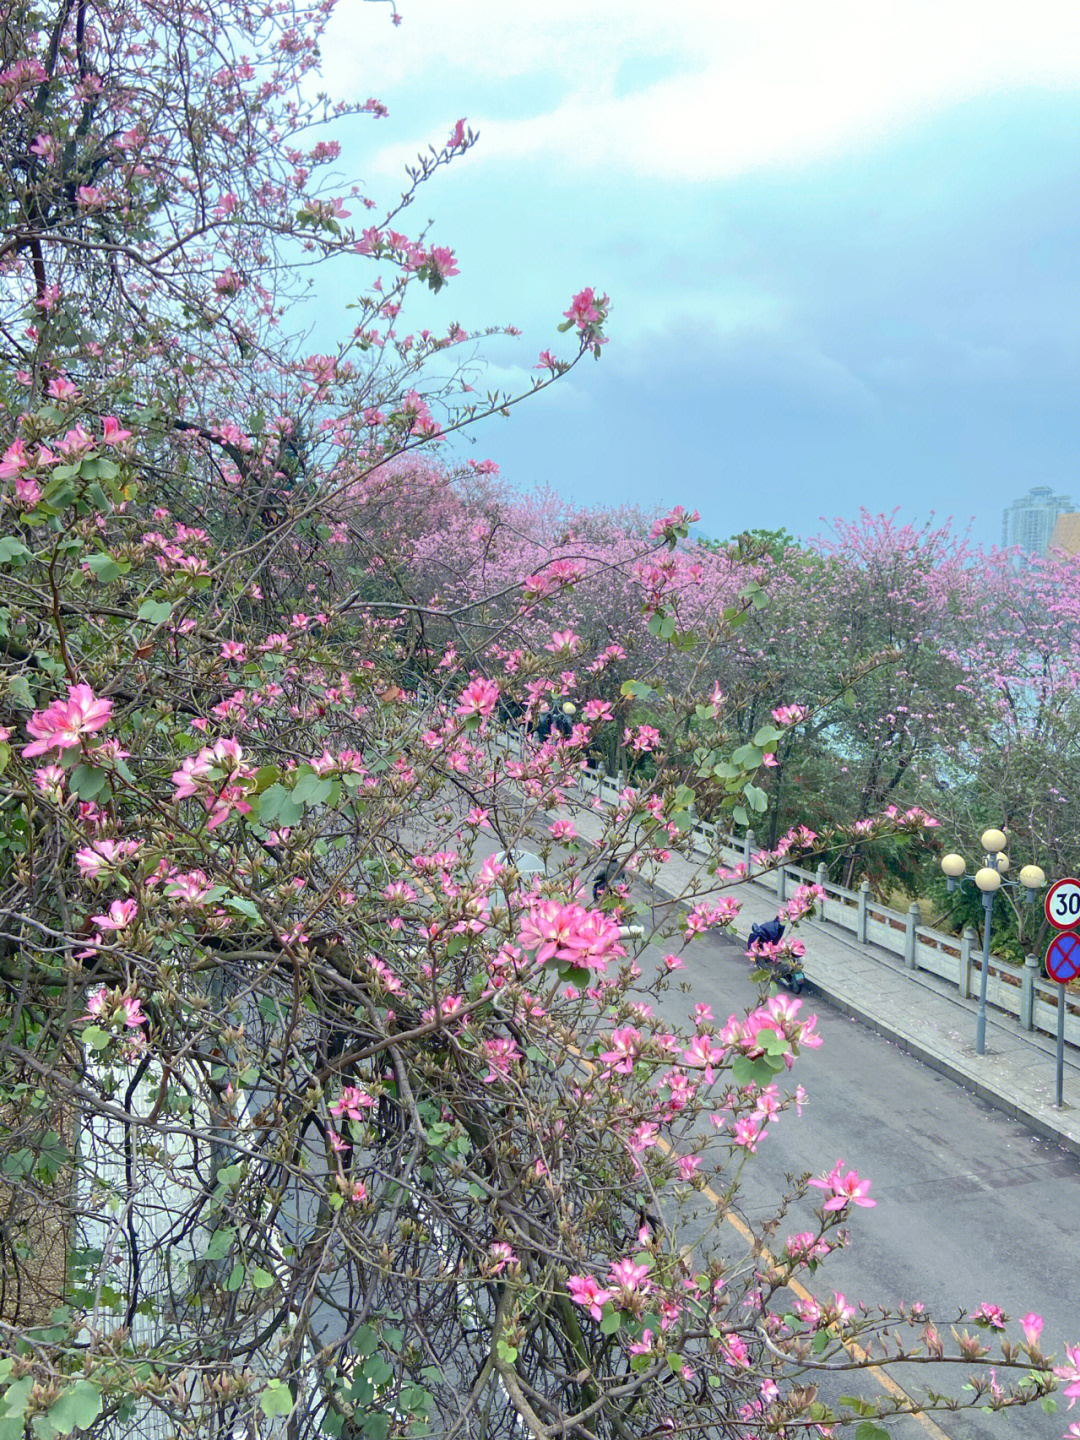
841,241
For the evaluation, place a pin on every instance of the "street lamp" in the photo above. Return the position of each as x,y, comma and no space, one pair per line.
988,881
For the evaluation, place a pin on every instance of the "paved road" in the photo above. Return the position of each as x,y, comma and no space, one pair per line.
971,1206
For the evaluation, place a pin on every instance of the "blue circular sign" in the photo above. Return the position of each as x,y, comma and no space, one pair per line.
1063,957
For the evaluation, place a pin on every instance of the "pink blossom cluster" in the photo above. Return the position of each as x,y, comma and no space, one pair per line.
570,934
478,698
63,724
218,777
711,915
802,903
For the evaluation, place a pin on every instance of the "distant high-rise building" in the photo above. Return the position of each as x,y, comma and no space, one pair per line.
1066,534
1029,522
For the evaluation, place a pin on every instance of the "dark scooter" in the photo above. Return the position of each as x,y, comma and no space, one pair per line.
787,972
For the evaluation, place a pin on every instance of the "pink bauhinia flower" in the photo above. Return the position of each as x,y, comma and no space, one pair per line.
49,782
111,432
479,697
845,1189
789,714
583,309
102,855
15,459
27,492
585,1290
1070,1373
61,725
121,913
500,1054
502,1256
351,1103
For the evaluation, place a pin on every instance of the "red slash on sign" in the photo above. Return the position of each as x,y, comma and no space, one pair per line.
1063,957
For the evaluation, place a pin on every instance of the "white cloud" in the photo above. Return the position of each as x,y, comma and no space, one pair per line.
781,82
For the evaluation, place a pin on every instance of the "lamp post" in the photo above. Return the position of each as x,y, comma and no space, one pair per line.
988,881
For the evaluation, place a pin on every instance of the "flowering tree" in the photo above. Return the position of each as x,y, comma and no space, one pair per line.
316,1115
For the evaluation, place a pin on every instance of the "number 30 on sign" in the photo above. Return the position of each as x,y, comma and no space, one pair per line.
1062,904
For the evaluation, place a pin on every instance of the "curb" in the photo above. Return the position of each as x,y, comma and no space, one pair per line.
1046,1129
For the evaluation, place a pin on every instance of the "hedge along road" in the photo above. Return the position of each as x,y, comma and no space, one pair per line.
971,1206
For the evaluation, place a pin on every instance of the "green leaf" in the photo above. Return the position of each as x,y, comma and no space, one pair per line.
11,549
15,1399
221,1242
19,689
86,781
756,798
155,611
767,735
265,777
378,1369
611,1320
242,906
76,1409
276,1399
276,806
105,568
236,1277
576,975
867,1431
637,689
365,1341
261,1279
311,789
96,1038
748,756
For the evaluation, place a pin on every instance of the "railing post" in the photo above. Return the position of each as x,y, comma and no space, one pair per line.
781,883
863,922
967,938
914,915
1027,992
749,841
822,880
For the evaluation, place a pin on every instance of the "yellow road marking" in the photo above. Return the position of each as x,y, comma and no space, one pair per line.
855,1351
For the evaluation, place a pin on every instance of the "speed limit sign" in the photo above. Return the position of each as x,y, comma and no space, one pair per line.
1062,904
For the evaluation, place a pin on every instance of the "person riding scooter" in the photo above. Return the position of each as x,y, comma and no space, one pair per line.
763,943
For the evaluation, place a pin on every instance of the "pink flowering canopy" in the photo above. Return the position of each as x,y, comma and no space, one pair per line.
323,1112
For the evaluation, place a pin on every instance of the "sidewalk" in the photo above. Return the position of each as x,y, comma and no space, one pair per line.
1017,1074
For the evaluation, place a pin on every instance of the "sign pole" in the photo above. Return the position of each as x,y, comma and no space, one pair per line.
1060,1104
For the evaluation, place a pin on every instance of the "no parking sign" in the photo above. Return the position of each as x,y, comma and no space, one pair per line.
1063,957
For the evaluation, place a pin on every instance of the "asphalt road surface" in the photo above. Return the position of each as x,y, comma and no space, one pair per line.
971,1206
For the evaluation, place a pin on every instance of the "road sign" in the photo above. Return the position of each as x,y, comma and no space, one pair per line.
1062,904
1063,957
